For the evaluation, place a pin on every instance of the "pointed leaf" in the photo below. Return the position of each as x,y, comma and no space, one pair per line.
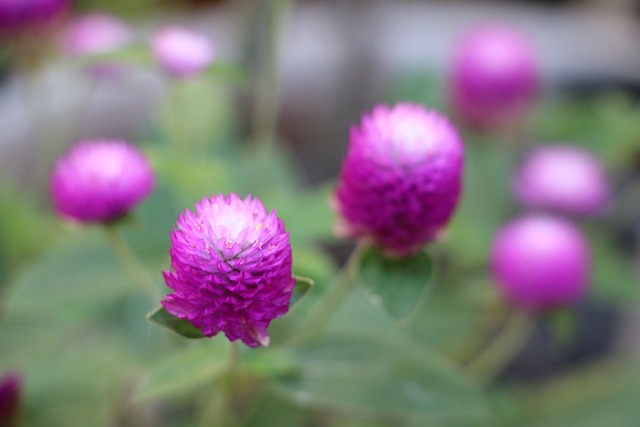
396,284
368,375
303,284
180,326
185,371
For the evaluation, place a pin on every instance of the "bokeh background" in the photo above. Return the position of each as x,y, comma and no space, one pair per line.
334,61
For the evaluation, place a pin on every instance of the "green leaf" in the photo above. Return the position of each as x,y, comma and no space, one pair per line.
185,371
374,375
181,327
397,284
303,284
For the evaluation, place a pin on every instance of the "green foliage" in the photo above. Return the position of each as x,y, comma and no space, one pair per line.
396,284
168,321
72,316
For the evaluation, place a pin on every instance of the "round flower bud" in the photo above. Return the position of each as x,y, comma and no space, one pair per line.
562,178
182,53
401,178
25,15
231,265
540,262
494,78
100,181
94,34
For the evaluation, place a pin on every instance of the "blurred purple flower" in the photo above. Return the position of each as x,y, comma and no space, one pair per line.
562,178
540,262
26,15
99,181
232,269
94,34
10,385
182,53
401,178
494,78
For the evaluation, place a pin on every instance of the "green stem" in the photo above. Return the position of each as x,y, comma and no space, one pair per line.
272,16
221,411
502,348
131,262
321,312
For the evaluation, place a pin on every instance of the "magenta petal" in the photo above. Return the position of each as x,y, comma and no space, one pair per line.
401,178
220,287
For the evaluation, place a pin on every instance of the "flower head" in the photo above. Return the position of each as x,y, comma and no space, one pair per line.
10,385
99,181
401,177
24,15
494,77
232,268
540,262
94,34
182,53
562,178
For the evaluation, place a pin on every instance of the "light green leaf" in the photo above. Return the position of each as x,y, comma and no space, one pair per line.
397,284
370,375
168,321
185,371
303,284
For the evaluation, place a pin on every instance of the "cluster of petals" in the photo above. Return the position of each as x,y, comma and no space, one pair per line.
94,34
564,179
494,77
401,178
100,181
25,15
182,53
540,262
231,264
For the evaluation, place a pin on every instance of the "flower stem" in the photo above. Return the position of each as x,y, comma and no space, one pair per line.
272,16
515,331
321,312
131,262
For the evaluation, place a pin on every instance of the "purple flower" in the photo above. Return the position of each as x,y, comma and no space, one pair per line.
23,15
99,181
562,178
494,78
401,178
182,53
94,34
540,262
10,385
232,269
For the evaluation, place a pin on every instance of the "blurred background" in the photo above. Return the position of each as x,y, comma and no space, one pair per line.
334,60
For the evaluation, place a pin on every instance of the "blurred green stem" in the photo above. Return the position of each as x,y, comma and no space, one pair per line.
321,312
271,18
131,262
222,410
490,361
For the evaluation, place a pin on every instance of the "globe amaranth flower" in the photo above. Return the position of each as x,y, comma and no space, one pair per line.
95,33
100,181
401,178
182,53
231,265
24,15
562,178
10,385
494,77
540,262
